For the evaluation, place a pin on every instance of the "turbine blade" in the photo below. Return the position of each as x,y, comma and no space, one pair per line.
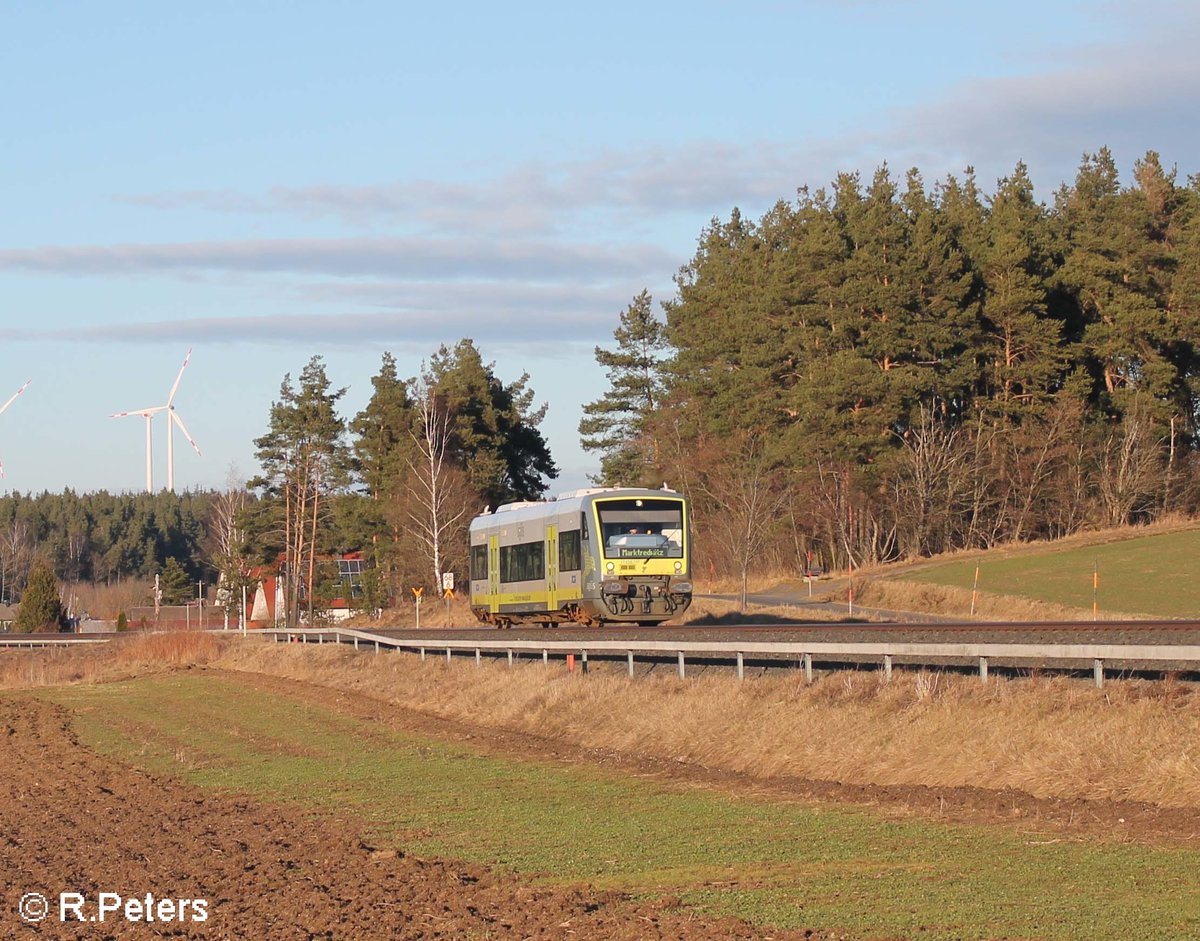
182,427
175,388
141,412
14,398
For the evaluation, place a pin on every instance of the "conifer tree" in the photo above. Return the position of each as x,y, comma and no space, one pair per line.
305,461
616,424
1122,322
495,426
174,583
382,431
41,606
383,446
1024,341
716,374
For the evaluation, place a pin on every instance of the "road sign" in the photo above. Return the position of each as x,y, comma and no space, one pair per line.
417,593
447,581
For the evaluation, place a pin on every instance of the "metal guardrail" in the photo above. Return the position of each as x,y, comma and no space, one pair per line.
33,640
1066,657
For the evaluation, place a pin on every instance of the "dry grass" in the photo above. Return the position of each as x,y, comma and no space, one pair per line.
121,658
404,615
900,595
1048,737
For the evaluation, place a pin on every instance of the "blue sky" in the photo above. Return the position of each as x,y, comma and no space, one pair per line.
263,182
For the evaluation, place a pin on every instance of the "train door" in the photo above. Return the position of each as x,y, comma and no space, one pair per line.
552,568
494,572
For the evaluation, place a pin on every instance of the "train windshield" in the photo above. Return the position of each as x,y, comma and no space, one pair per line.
641,528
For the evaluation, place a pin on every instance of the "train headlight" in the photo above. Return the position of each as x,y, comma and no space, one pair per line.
610,567
678,567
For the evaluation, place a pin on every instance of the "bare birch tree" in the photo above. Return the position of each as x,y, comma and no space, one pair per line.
440,500
229,542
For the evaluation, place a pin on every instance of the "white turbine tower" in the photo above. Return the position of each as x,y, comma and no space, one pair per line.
172,419
12,399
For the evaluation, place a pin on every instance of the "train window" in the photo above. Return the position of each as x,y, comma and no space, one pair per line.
583,526
569,558
479,567
523,563
642,528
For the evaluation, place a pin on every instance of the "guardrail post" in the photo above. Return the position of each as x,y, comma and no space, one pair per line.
583,661
808,668
629,660
447,654
356,642
320,638
510,658
682,670
545,656
887,667
478,657
741,666
422,649
983,669
1098,672
377,646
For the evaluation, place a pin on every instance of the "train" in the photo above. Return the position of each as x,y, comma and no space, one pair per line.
603,555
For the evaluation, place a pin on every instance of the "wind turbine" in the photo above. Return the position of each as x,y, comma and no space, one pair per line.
172,419
12,399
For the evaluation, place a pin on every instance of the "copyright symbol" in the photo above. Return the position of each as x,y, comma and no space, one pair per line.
33,907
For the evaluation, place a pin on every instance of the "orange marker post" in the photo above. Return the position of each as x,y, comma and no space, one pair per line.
974,591
1096,591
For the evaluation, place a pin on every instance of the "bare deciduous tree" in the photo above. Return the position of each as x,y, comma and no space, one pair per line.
439,494
229,543
742,497
1131,469
17,552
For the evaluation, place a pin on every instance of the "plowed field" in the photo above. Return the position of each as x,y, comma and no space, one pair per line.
74,821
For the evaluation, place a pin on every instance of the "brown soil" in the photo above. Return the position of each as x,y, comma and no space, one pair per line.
74,821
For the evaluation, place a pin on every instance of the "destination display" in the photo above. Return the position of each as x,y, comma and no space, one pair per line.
643,552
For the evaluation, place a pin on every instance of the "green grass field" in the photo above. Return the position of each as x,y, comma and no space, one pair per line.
1154,575
778,864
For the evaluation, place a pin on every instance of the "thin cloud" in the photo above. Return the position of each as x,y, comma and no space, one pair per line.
395,329
353,257
701,177
1137,96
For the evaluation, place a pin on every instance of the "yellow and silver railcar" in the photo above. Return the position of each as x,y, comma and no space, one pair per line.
592,556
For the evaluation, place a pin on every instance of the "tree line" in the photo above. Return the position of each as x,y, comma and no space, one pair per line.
882,369
101,537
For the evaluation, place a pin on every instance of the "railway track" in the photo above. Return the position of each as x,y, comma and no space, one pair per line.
1165,632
